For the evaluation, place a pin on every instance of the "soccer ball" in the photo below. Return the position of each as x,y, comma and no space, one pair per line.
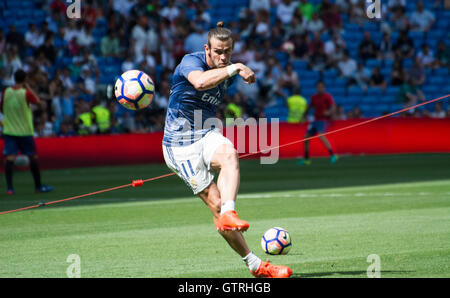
134,89
276,241
288,47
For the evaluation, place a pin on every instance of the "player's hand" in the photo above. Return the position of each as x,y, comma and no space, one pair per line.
246,73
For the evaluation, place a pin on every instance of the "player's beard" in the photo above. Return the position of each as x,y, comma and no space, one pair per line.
214,63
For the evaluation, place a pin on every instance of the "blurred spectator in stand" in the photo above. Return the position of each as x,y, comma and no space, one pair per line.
404,46
58,6
48,49
315,24
393,5
386,48
324,7
268,86
358,13
33,37
267,48
128,63
139,36
347,68
301,46
262,25
170,11
315,44
344,6
442,55
362,76
399,20
84,37
11,62
72,47
203,16
44,126
196,39
398,75
356,113
67,104
286,10
256,5
123,7
66,128
377,80
258,65
86,58
319,60
333,48
340,113
14,37
426,57
247,53
161,99
367,48
276,36
332,18
109,45
306,9
178,47
89,13
331,44
289,79
87,83
417,72
438,112
410,94
64,76
422,19
295,28
71,31
166,35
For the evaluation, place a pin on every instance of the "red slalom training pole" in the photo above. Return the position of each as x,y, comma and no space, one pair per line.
139,182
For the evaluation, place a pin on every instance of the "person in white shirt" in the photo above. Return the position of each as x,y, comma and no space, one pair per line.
170,11
123,7
426,56
33,37
315,24
256,5
347,67
286,10
422,19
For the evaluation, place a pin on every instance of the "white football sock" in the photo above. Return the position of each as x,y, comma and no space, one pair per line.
227,206
252,261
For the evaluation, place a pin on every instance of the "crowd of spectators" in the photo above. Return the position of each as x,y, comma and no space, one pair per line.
152,37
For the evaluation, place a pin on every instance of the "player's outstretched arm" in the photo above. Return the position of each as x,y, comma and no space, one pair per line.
204,80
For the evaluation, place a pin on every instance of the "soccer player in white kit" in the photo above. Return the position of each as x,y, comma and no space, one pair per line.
195,152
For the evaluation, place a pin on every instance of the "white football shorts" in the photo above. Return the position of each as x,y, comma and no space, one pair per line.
192,163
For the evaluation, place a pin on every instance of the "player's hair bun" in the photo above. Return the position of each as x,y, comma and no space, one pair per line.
220,24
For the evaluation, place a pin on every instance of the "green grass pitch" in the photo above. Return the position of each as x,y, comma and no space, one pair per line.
394,206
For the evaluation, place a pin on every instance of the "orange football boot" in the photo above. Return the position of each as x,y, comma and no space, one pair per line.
230,221
272,271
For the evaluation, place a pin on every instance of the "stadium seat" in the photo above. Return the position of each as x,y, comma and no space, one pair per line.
355,91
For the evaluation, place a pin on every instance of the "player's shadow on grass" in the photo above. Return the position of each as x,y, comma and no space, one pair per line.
345,273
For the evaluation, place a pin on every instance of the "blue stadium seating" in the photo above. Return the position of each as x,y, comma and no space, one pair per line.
20,13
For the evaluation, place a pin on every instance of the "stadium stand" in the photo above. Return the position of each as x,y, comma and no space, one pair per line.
83,57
